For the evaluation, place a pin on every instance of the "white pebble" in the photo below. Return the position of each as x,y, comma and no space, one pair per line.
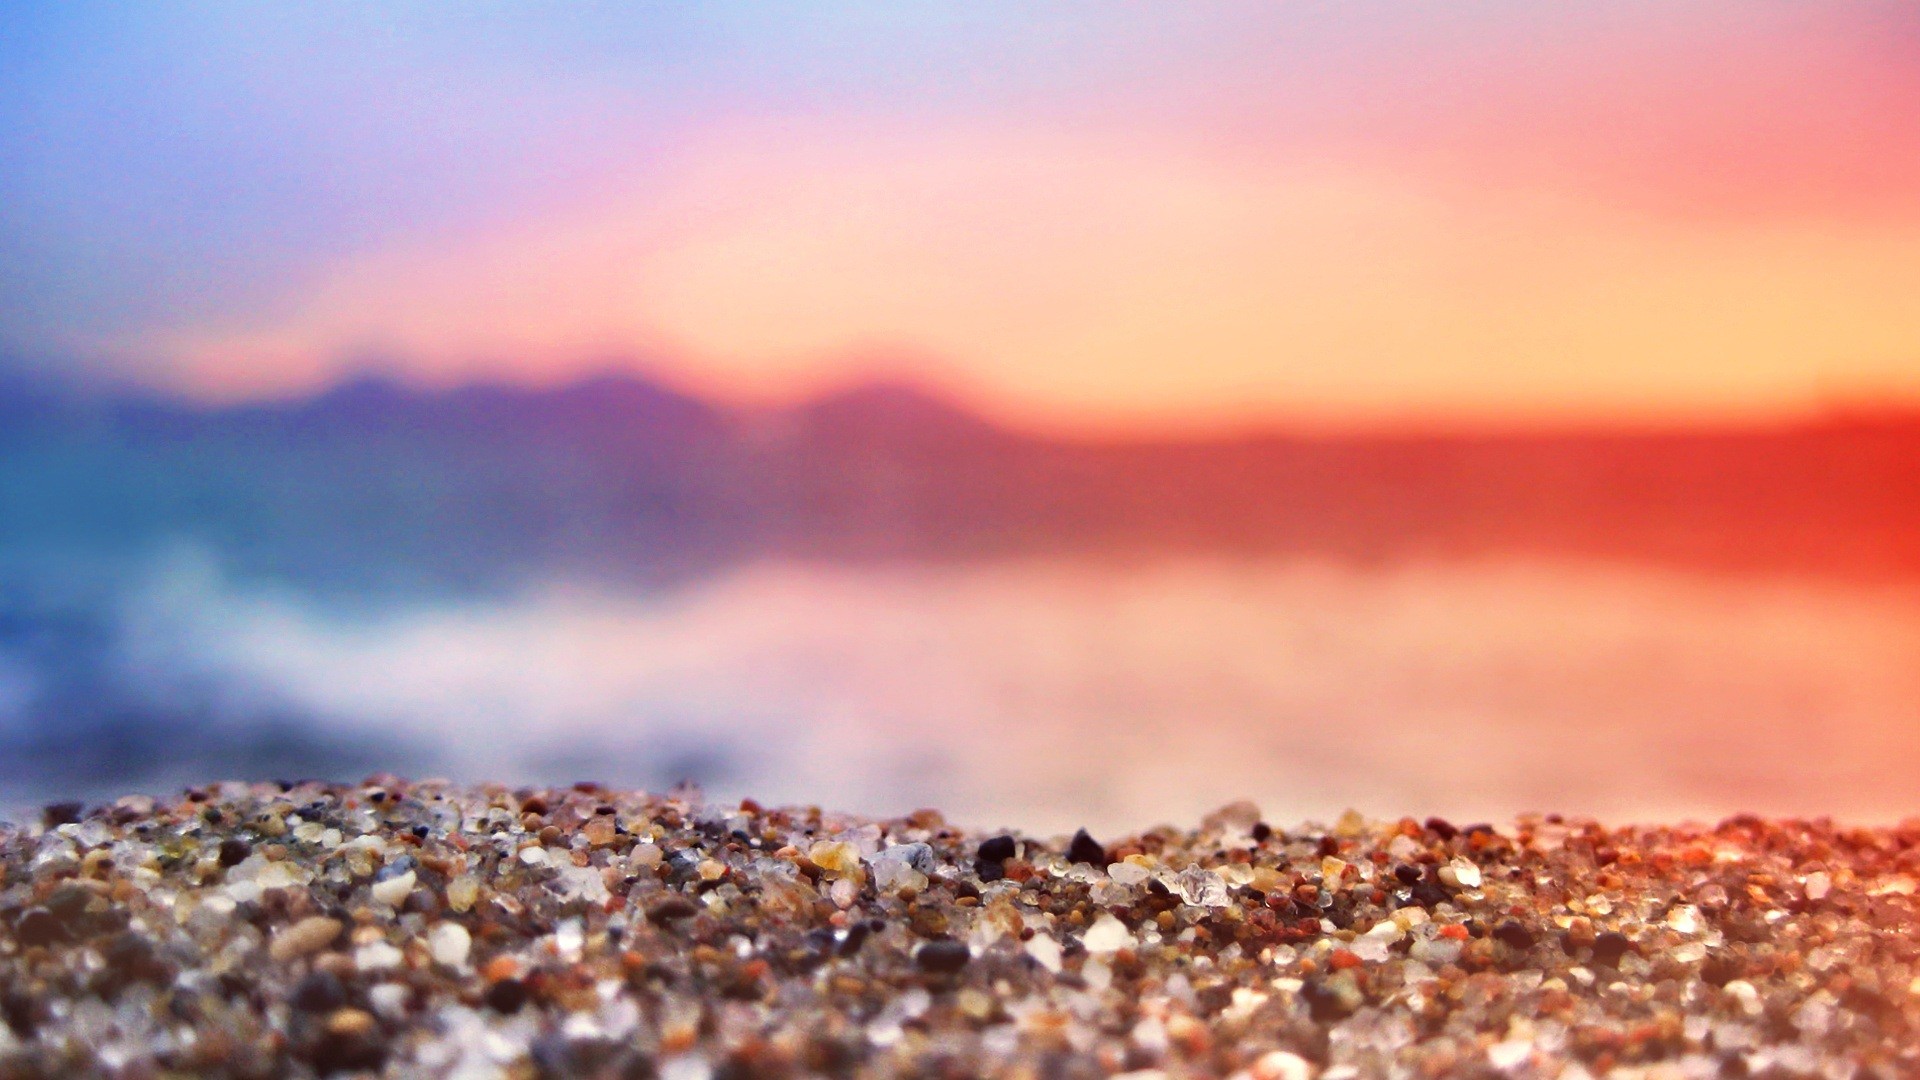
389,1000
1509,1056
1106,935
1201,887
393,891
450,943
376,956
1046,950
1282,1065
1461,873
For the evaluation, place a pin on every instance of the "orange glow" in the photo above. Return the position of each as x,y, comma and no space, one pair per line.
1080,284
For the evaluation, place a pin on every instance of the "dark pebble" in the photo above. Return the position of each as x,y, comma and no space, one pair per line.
1262,832
856,937
1085,849
997,849
1441,828
507,996
1719,971
233,852
61,813
1407,874
1513,934
347,1053
990,871
132,958
38,926
943,957
318,992
1323,1004
671,908
1609,947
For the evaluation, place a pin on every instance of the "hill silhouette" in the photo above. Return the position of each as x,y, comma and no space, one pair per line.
380,484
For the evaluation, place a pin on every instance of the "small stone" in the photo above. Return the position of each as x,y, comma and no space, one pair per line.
234,851
943,956
449,943
38,926
670,908
1107,935
1281,1065
1085,849
351,1022
389,999
974,1005
377,956
1460,873
318,992
836,858
507,996
1609,947
304,938
997,849
57,814
1513,934
1511,1055
1201,887
1235,817
462,892
1044,949
393,891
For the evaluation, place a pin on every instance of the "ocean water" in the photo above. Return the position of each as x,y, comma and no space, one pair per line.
1054,693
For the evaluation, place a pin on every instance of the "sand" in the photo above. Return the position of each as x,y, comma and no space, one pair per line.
427,929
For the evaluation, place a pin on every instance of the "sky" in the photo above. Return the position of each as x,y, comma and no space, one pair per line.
1074,216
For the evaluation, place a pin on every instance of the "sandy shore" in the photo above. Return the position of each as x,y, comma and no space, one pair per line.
427,929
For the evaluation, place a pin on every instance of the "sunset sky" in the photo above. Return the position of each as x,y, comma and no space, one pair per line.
1078,217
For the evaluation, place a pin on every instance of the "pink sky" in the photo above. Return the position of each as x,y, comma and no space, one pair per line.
1338,214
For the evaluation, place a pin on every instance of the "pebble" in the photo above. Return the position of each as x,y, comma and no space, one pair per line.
449,943
1460,873
660,935
1085,849
1281,1065
943,956
462,892
304,938
393,891
1107,934
996,849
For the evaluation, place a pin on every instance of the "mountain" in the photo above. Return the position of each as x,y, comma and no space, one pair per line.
382,485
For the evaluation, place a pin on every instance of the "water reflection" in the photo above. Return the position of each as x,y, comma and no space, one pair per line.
1053,692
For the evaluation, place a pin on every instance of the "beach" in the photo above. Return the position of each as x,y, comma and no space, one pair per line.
428,929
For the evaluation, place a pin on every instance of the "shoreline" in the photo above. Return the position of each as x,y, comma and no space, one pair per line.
395,928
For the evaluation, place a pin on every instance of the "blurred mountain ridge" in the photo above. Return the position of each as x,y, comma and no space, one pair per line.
378,483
